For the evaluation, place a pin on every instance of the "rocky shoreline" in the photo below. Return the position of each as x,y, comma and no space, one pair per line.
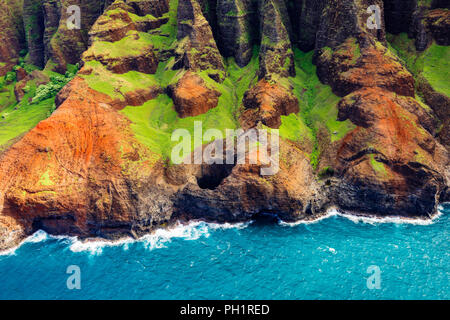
119,240
376,144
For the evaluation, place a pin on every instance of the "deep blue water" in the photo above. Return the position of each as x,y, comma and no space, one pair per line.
327,259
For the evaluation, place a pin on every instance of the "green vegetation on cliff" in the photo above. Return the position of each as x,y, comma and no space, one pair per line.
37,103
433,64
155,120
318,108
15,121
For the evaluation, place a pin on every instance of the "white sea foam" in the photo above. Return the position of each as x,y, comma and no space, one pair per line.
369,220
38,236
160,237
157,239
9,252
95,246
225,226
197,229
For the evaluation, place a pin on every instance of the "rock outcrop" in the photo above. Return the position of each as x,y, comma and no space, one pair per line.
389,158
48,37
345,19
197,50
192,97
67,45
11,33
52,16
237,33
70,177
438,23
116,22
33,19
363,62
310,15
239,193
276,55
388,151
142,58
266,103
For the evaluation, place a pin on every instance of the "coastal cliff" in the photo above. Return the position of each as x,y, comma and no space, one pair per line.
86,115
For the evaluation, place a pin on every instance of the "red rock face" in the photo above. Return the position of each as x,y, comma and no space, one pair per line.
116,25
267,102
66,174
389,128
390,158
192,97
364,62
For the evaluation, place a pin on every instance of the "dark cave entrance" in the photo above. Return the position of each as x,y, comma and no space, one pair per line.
213,175
265,218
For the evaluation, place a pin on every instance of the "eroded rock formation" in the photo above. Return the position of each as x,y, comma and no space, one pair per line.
192,97
266,103
276,55
197,50
86,171
11,33
237,33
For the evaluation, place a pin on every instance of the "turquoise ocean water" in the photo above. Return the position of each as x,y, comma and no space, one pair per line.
327,259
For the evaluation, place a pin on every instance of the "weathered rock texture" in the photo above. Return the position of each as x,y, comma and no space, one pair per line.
33,19
360,62
83,171
70,179
347,18
11,33
310,14
266,103
197,50
237,29
52,16
47,34
276,56
192,97
239,193
66,46
390,158
116,24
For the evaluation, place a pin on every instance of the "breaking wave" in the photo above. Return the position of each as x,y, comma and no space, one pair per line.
195,230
